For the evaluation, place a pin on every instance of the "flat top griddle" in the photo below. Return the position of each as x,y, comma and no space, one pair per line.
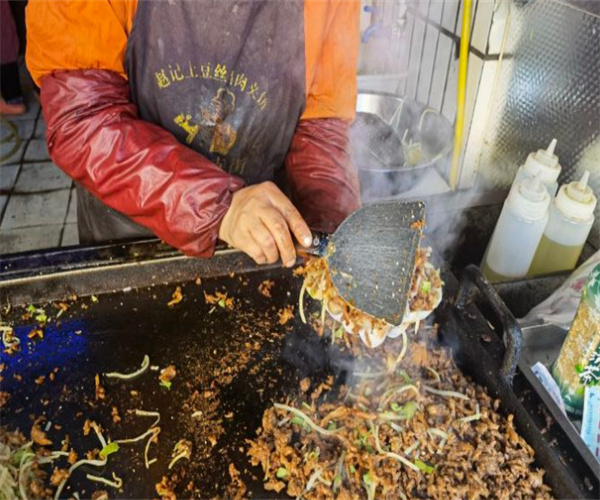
266,362
258,360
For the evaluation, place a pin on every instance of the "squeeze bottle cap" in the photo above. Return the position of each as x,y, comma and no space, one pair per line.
530,199
544,164
576,199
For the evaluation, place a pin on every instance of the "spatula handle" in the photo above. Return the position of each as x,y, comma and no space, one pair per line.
318,246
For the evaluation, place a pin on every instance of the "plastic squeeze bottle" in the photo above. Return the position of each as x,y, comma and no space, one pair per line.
571,218
518,231
544,164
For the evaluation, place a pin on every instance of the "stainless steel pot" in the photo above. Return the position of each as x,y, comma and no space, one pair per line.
395,141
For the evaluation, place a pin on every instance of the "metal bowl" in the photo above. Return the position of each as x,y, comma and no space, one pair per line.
392,133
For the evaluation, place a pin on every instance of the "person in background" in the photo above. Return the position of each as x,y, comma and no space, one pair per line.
186,119
11,101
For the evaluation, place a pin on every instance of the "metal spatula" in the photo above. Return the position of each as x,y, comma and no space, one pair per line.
373,256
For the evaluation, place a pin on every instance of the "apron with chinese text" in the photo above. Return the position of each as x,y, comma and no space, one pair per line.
225,77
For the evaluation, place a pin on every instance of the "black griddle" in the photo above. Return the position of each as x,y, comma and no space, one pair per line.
131,319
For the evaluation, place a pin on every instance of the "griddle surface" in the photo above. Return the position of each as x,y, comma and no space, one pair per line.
267,361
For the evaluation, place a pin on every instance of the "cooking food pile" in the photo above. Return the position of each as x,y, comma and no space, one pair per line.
403,422
410,425
423,430
425,295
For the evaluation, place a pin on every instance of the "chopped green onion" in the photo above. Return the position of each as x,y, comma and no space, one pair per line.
300,422
426,468
406,411
368,478
352,469
31,309
41,318
332,426
166,383
222,303
339,332
337,482
109,449
281,473
426,286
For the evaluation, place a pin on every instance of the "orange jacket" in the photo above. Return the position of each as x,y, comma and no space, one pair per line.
92,34
75,53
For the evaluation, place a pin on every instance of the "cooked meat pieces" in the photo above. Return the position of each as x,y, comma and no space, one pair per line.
424,296
402,434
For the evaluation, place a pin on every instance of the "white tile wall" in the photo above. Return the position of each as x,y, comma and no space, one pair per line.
501,16
427,63
416,50
449,13
473,79
431,57
423,6
436,8
480,124
449,103
445,48
481,27
404,52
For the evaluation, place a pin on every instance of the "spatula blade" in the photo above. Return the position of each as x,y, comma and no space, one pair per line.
374,257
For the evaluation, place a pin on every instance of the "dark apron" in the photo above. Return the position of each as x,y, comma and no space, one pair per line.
225,77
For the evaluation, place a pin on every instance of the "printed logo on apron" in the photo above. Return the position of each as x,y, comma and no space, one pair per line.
225,77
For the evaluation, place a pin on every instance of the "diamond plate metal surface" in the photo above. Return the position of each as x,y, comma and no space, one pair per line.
549,86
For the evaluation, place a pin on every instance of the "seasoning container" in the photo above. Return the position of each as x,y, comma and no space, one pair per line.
518,231
578,364
544,164
569,224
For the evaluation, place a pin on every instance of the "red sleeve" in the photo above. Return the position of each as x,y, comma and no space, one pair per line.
322,177
133,166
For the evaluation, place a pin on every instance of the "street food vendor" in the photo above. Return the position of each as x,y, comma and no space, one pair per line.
182,118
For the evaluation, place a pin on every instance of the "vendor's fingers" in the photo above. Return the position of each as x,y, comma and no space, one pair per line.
251,247
293,218
280,231
264,239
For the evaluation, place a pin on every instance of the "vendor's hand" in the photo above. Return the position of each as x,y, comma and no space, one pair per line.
259,222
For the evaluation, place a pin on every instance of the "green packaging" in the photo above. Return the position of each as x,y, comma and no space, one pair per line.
578,364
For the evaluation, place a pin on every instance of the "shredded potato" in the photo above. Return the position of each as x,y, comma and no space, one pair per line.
424,296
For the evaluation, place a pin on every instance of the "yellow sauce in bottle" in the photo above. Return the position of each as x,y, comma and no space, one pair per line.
552,257
492,276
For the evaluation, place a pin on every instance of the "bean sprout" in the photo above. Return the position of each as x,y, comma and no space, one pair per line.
434,373
96,463
145,413
389,394
308,420
470,418
432,431
301,302
312,480
402,351
412,448
389,454
129,376
117,482
448,394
